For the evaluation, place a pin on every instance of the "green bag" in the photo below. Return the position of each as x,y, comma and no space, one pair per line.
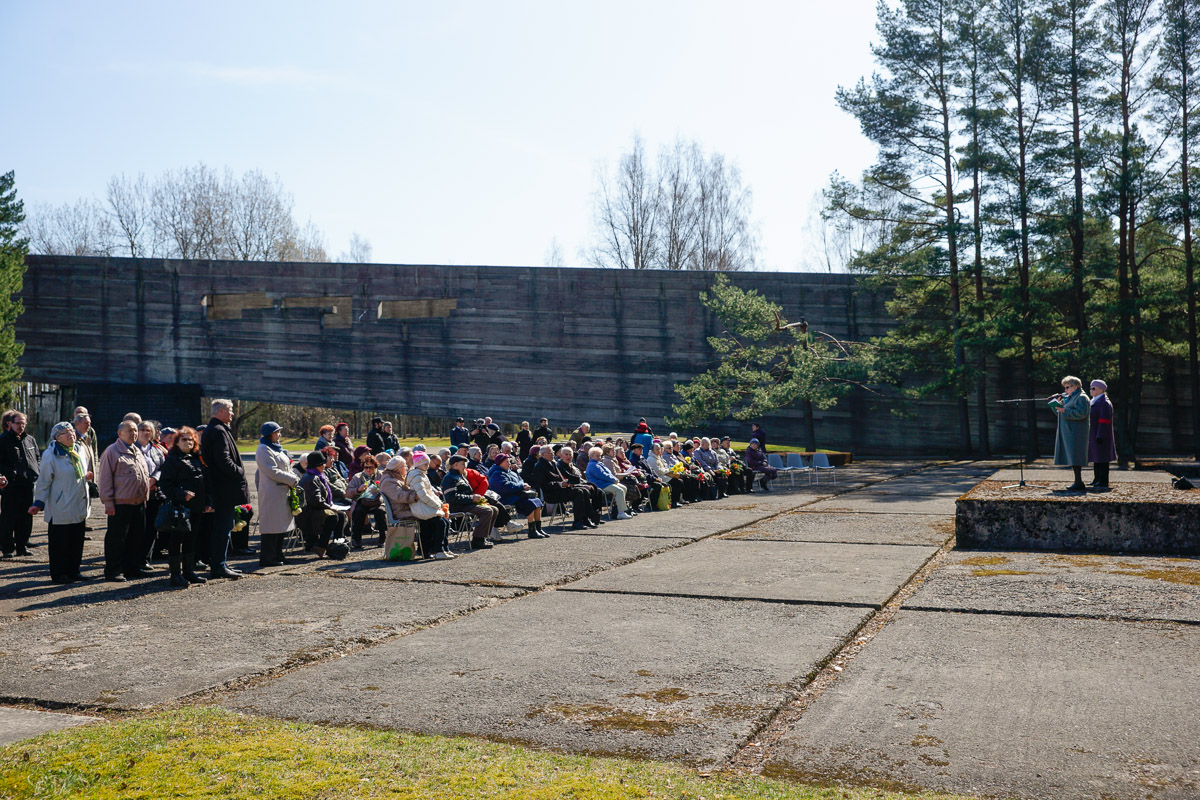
664,498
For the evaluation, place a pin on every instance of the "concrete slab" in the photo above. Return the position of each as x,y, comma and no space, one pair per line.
1124,587
789,571
870,500
648,676
530,563
21,723
1056,475
1009,706
154,649
803,526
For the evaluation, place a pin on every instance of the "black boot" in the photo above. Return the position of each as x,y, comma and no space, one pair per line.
177,579
762,482
189,569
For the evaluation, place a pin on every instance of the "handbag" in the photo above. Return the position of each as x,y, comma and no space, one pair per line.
664,498
173,518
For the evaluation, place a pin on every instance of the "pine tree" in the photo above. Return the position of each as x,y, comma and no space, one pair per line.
12,267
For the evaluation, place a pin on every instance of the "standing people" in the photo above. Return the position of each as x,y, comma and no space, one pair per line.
390,442
273,479
581,435
62,492
1102,443
544,431
375,437
227,484
19,465
124,487
1071,439
154,456
524,441
344,446
759,433
85,435
183,482
459,435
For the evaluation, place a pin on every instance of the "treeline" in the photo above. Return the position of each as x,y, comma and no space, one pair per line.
1032,200
193,212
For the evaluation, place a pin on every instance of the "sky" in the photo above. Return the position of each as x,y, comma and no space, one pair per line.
444,132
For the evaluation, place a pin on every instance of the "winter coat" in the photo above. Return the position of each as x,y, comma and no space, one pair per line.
542,432
428,504
62,495
599,475
657,466
391,442
375,441
399,497
707,459
756,460
122,476
524,442
226,477
316,500
457,492
19,458
1071,439
506,483
182,473
1102,441
459,436
273,480
761,435
345,450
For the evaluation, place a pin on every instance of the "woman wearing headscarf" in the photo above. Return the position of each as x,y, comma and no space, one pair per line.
756,460
183,482
61,491
1071,438
427,508
357,466
273,480
1102,444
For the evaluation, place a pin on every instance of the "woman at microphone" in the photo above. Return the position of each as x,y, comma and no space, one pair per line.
1071,440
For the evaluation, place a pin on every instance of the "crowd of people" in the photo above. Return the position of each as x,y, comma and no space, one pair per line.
181,493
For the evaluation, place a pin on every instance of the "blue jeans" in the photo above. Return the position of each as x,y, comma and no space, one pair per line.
219,543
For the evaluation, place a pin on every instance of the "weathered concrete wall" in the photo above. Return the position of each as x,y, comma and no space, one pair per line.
604,346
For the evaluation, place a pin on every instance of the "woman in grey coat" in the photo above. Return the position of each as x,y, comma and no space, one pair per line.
61,492
1071,440
273,478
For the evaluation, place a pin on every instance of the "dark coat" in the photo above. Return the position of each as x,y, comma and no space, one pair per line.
226,477
542,432
457,491
316,500
761,435
1102,441
182,473
459,436
20,459
345,450
391,442
375,441
524,442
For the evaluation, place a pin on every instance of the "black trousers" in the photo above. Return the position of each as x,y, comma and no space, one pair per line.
330,526
16,523
180,543
358,520
579,498
435,535
597,498
1100,472
152,538
66,549
125,540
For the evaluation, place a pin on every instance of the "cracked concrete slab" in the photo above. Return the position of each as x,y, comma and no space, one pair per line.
647,676
1009,706
1123,587
22,723
158,648
787,571
803,526
531,563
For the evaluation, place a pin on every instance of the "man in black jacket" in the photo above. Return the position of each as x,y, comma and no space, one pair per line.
544,431
20,462
227,484
390,442
375,439
462,500
459,435
561,482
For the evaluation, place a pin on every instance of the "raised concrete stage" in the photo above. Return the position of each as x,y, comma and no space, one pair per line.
1141,513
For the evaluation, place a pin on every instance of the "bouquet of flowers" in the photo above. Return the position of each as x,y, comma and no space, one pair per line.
722,473
295,501
676,470
241,516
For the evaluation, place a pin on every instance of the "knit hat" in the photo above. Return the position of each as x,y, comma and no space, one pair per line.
269,428
315,459
1099,384
453,449
59,429
419,448
420,460
500,458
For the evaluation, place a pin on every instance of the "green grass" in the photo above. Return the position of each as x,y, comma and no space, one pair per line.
212,753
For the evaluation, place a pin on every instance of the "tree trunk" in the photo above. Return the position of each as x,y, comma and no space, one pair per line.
1078,299
810,426
1190,267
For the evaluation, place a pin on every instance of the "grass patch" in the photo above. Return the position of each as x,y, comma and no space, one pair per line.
212,753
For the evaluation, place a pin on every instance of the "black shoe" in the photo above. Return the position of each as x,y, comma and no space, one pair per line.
79,577
23,551
178,581
579,526
192,577
61,579
538,535
1077,486
231,574
481,544
141,573
115,578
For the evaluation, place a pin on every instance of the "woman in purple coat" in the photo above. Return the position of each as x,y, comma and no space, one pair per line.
1102,445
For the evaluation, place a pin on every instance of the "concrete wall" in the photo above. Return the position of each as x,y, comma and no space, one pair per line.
516,343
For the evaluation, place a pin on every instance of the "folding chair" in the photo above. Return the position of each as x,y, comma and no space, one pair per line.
820,462
795,462
556,511
462,527
775,461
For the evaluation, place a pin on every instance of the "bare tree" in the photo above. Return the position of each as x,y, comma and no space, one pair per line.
726,240
128,211
359,252
258,218
191,212
305,244
679,206
72,229
554,255
627,213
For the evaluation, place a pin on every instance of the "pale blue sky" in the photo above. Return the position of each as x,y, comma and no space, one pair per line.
453,132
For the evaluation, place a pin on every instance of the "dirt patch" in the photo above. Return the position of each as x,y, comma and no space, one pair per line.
984,561
666,696
602,716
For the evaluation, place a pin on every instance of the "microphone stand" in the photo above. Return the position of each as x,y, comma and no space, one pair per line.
1021,484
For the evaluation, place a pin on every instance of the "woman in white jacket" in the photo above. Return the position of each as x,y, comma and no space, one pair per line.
61,492
427,508
273,480
662,470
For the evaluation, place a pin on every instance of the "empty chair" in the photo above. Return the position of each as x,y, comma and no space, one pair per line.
820,462
795,462
775,461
